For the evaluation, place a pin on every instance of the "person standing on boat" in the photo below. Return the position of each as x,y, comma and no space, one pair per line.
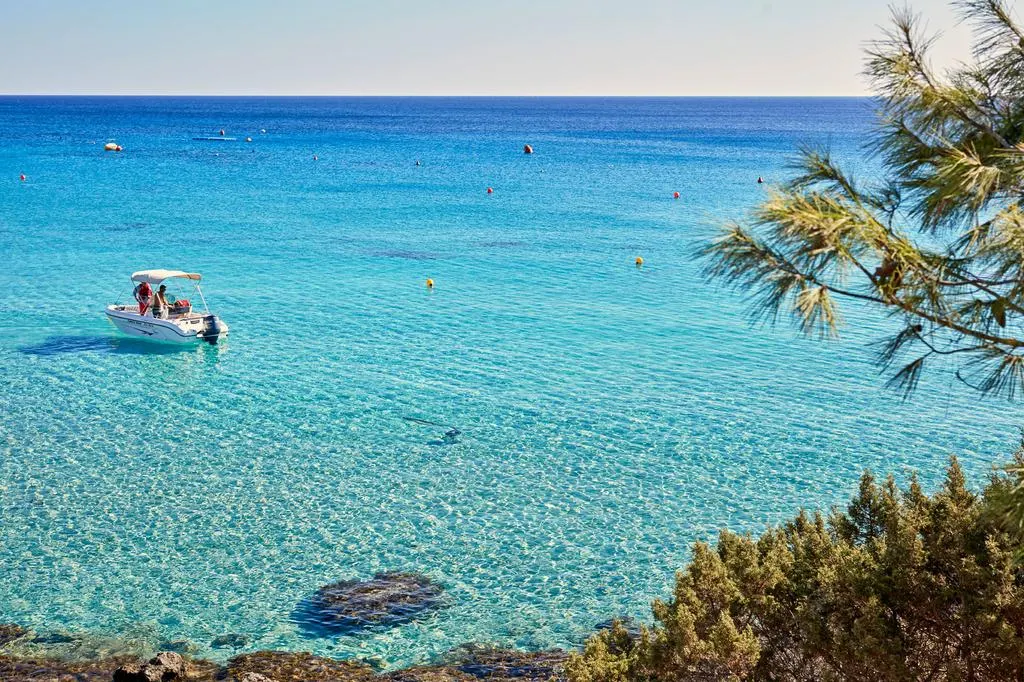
160,305
143,293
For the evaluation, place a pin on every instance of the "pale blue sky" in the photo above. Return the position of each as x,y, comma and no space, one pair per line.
432,47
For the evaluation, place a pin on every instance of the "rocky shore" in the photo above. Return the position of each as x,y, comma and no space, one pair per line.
387,600
469,663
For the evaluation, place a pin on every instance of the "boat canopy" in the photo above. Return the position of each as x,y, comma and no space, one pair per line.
157,276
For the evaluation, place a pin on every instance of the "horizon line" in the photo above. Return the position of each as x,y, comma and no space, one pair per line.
382,95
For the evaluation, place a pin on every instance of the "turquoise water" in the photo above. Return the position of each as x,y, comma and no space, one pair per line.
610,415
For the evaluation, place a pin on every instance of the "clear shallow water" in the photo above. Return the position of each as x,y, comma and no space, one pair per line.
610,415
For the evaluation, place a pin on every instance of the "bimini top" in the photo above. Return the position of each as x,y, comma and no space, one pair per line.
157,276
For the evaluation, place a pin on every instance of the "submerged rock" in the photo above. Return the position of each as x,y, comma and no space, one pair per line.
232,640
56,638
181,646
494,664
286,666
10,632
386,600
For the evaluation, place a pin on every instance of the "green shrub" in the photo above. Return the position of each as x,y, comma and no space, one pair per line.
899,586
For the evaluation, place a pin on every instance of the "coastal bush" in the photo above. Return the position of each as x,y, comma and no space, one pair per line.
898,586
936,241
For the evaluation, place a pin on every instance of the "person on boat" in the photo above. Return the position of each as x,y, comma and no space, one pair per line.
160,305
143,294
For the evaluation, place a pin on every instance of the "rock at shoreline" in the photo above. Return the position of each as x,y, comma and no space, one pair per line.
10,632
386,600
166,666
468,663
498,665
135,672
37,670
428,673
170,662
232,640
254,677
285,666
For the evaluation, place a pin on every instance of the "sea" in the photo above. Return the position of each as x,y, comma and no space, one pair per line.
608,415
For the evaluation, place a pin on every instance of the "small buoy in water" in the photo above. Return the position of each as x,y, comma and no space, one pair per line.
316,158
248,139
417,162
675,195
263,131
118,148
639,261
527,149
760,180
23,177
430,283
490,190
221,131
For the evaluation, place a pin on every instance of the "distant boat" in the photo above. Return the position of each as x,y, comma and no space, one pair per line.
112,146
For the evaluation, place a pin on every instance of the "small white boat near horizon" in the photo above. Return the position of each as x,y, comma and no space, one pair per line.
177,323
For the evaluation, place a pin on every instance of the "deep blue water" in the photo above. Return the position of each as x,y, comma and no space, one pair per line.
610,415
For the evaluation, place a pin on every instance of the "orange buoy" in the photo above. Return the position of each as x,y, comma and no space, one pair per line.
430,283
490,190
639,261
23,177
675,195
527,149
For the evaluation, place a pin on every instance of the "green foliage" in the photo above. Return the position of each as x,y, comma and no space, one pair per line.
937,241
898,586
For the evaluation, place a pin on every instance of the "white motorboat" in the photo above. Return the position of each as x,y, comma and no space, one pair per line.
177,323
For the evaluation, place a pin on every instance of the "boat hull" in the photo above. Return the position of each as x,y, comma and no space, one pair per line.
191,330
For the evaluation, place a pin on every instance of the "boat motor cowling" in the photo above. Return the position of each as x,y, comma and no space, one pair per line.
212,329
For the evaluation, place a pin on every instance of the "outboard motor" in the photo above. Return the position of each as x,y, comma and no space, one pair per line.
211,329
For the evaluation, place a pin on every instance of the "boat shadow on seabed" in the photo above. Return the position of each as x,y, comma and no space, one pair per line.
61,345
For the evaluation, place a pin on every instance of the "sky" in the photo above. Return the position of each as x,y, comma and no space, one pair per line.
450,47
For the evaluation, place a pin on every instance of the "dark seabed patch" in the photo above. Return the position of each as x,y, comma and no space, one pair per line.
501,244
406,254
352,606
233,640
